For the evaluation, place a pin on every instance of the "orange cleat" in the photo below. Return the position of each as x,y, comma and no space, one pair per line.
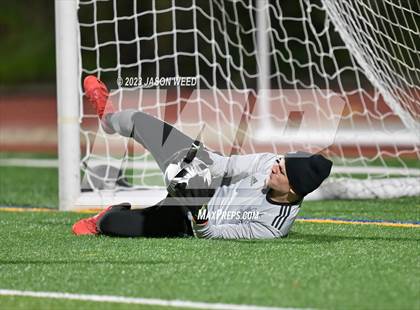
97,94
88,226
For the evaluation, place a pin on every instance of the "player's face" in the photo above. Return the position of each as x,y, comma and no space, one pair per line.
277,180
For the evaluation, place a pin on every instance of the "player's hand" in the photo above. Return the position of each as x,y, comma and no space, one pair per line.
201,217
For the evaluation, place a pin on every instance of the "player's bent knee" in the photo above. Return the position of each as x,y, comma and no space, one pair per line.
126,122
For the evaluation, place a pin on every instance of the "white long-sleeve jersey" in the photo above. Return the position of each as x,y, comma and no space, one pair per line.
242,209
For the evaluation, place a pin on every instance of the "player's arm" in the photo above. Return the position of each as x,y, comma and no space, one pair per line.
240,166
251,230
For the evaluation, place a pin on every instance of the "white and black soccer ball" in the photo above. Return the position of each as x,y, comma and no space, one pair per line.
185,175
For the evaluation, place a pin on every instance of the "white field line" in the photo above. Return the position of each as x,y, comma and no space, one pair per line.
140,301
26,162
53,163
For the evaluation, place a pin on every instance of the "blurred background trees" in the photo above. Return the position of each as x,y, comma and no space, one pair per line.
27,49
27,38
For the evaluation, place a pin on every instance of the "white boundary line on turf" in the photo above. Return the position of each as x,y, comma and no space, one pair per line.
135,300
53,163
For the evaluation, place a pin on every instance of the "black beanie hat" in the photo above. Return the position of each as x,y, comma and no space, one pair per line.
306,171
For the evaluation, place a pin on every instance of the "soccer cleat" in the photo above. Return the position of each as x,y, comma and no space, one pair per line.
85,227
88,226
97,94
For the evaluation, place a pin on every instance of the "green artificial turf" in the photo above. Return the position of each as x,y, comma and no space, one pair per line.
33,187
405,209
24,303
319,265
327,266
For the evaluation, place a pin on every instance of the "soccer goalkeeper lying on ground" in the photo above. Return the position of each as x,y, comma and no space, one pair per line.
210,196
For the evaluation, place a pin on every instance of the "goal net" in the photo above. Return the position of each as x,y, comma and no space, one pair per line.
341,77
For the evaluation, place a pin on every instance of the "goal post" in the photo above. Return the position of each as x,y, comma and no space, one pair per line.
68,112
341,77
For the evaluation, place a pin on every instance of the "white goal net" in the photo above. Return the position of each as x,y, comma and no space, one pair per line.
337,76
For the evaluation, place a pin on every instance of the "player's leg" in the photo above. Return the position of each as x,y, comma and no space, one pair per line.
165,142
168,145
155,221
